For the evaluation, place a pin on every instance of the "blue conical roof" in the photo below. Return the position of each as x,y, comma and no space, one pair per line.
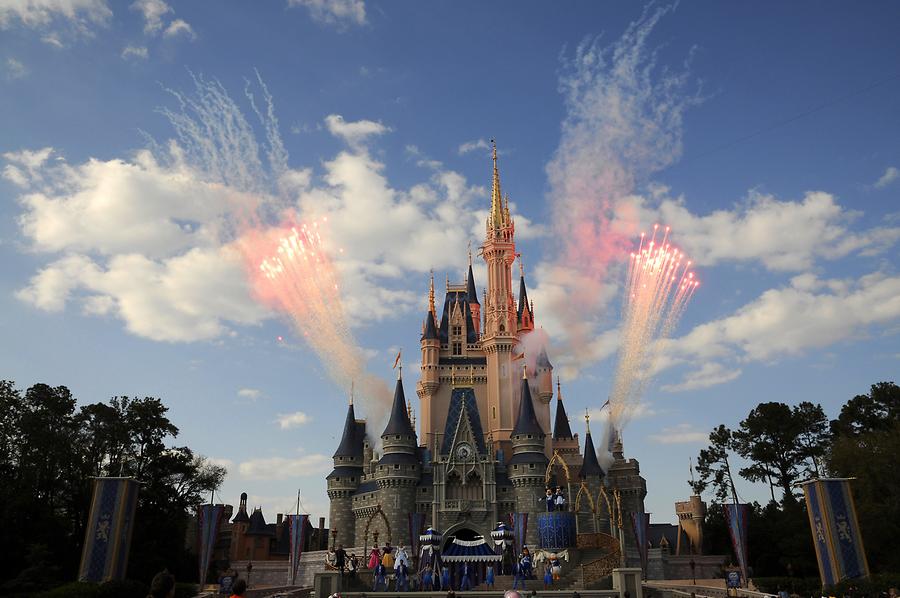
590,466
527,422
399,422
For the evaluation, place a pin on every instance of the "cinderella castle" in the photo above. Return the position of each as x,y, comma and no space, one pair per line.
487,444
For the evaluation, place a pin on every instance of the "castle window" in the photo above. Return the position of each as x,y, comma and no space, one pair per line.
397,437
494,412
396,467
457,330
531,466
352,479
457,348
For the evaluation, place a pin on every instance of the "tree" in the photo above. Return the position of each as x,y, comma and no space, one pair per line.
877,410
713,466
782,444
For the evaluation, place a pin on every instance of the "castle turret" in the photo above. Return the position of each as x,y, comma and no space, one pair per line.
528,463
524,315
399,469
625,474
592,475
563,442
345,478
239,526
472,297
429,380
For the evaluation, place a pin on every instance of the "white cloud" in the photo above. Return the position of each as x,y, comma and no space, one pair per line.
809,313
226,463
642,410
292,420
283,468
891,174
139,52
51,39
153,12
24,166
179,27
708,374
15,69
680,434
354,133
81,15
336,13
782,235
249,393
470,146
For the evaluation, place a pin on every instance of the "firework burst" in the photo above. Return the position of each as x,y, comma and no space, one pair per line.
660,285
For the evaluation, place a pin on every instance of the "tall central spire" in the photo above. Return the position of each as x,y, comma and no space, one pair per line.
496,195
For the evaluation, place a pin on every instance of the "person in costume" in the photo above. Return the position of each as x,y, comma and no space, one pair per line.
466,582
402,576
387,559
551,501
489,577
525,563
517,576
378,578
548,578
427,578
555,567
559,500
445,578
374,557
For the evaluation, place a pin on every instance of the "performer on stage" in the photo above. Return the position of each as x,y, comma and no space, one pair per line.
517,576
555,567
489,577
401,572
427,578
525,563
445,578
387,558
559,500
551,500
378,578
466,583
548,578
374,557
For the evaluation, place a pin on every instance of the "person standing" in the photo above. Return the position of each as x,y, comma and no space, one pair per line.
548,577
559,500
489,577
352,565
427,579
517,576
445,578
465,583
378,578
340,559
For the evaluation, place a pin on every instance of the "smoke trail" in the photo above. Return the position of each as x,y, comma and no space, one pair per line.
289,263
623,123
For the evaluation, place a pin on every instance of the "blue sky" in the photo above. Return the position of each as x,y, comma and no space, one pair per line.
767,135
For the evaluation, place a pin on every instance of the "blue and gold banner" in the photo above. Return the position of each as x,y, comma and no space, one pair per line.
209,518
738,518
835,530
416,523
297,525
640,523
107,538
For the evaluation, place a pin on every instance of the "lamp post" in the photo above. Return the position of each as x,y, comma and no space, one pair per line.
249,571
375,539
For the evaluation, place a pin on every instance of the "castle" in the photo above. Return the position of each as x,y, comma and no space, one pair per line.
485,441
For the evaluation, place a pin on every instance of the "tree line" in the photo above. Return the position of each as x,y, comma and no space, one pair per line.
780,445
50,449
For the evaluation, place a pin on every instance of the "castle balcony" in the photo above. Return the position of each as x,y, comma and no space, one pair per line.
462,505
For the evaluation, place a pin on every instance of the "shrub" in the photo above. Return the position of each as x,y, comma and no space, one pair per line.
75,589
127,588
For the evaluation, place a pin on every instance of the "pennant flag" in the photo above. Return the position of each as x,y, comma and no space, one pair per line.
297,524
737,517
640,523
397,361
520,529
416,523
209,518
835,530
107,538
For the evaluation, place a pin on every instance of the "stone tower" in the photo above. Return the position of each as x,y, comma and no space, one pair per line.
625,474
528,463
345,478
592,475
399,469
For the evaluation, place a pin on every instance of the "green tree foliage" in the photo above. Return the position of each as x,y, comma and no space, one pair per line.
867,447
782,444
50,450
713,466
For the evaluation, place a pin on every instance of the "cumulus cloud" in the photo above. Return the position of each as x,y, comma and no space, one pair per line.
178,27
23,167
471,146
783,235
708,374
80,15
15,69
153,12
680,434
355,133
287,421
283,468
139,52
339,14
891,174
809,313
251,394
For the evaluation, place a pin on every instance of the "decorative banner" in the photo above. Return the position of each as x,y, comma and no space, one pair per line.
416,523
738,516
520,528
107,538
209,518
297,524
640,524
835,530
